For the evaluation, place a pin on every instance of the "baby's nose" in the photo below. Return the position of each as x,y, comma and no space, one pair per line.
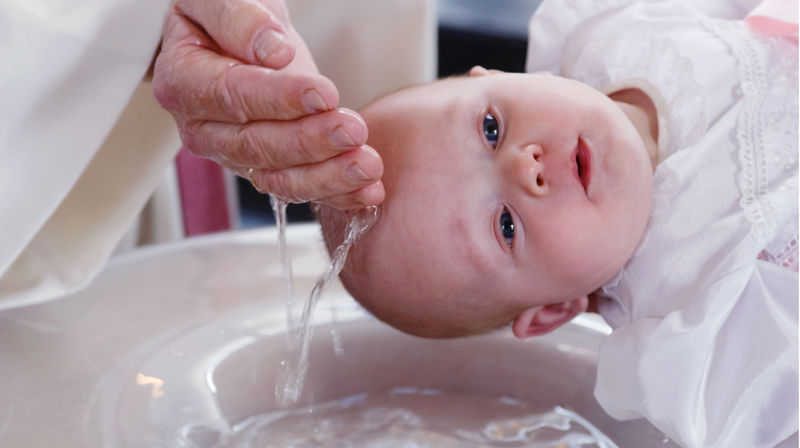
526,169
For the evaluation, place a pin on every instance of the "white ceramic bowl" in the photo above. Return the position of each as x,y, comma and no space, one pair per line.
173,345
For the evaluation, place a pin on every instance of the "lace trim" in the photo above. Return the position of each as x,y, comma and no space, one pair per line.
786,254
558,20
764,128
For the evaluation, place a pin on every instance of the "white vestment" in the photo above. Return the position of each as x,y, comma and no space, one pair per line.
74,169
83,143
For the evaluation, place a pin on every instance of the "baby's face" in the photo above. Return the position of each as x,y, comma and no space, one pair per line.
526,189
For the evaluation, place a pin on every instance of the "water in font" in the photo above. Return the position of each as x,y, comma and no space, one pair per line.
417,418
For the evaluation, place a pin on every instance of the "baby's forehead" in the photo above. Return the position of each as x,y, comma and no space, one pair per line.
419,111
437,255
423,139
437,93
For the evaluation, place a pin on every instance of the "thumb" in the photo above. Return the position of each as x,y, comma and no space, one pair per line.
252,31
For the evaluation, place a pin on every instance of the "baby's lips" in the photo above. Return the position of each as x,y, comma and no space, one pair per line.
582,164
585,159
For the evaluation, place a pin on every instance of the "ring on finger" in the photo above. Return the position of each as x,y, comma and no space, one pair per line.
251,179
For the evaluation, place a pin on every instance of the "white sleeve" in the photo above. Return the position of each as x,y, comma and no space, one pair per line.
686,374
69,70
555,22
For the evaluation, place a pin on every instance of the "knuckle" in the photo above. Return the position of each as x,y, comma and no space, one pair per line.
325,189
190,137
249,149
165,96
171,25
188,133
228,13
264,22
225,96
296,187
279,183
277,8
294,86
164,88
304,145
324,185
295,94
281,148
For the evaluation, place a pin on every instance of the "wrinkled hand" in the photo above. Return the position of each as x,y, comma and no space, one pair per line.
245,92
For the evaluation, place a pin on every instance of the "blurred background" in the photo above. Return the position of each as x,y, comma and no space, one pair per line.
469,32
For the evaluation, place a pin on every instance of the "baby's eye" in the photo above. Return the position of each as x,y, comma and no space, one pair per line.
491,129
507,227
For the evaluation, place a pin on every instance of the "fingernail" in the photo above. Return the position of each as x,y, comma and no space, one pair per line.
340,137
372,194
356,174
313,102
268,43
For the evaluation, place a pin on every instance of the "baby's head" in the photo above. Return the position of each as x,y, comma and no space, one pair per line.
509,198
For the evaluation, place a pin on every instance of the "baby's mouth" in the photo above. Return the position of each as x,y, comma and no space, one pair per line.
583,162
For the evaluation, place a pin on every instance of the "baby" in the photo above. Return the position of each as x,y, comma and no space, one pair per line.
657,180
510,197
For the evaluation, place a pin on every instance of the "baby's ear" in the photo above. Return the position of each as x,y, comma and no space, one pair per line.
543,319
482,71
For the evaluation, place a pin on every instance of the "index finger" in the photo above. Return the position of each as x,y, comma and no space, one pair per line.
253,31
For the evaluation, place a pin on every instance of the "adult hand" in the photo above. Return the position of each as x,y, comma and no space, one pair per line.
245,92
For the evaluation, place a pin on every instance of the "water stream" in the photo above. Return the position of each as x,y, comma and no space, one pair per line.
293,370
279,210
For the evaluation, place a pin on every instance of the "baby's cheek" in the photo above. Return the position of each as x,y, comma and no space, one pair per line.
580,241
